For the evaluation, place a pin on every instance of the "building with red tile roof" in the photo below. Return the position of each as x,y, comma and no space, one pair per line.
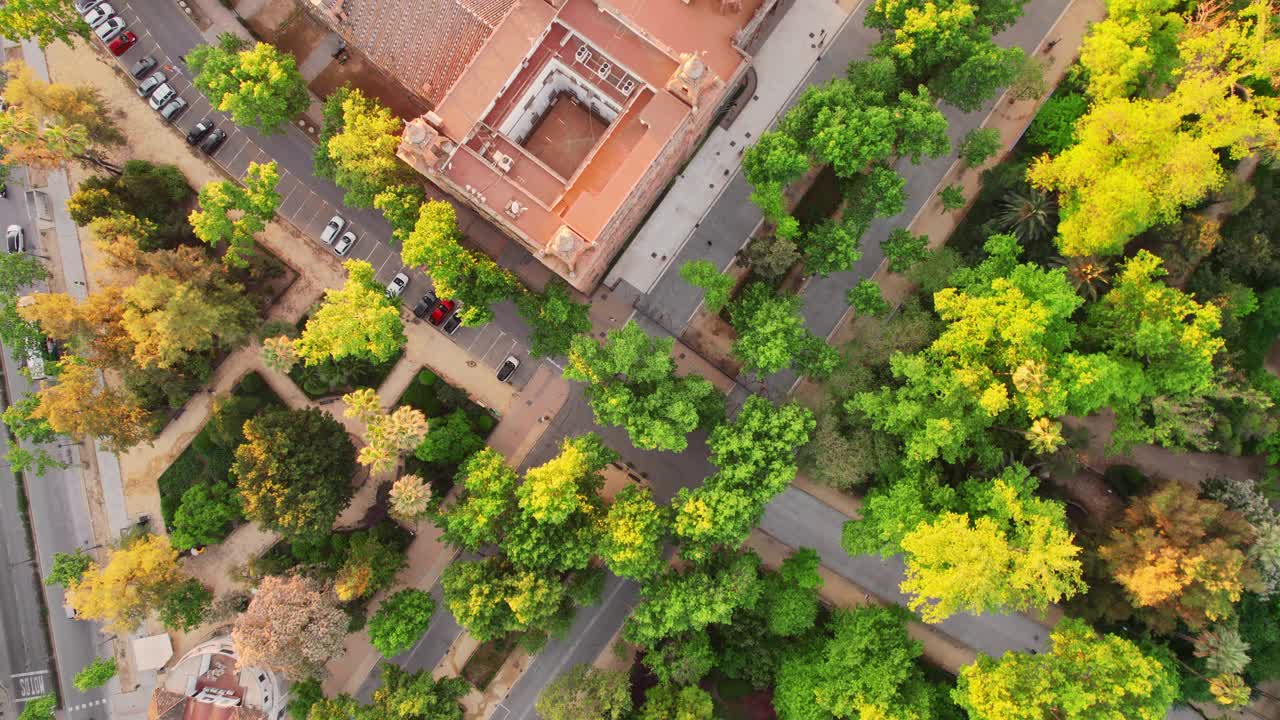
572,116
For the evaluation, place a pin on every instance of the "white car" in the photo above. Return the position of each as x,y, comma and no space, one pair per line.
396,287
344,244
336,223
98,14
162,95
108,30
15,239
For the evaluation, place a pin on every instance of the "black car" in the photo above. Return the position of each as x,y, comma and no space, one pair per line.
213,141
198,131
424,306
142,67
451,324
508,368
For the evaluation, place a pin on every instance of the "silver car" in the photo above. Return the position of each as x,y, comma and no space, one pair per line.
396,287
175,108
153,81
344,244
331,230
162,95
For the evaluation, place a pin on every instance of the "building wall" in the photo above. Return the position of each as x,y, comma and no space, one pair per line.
636,207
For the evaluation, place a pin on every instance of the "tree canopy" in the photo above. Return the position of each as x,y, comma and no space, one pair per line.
358,320
259,86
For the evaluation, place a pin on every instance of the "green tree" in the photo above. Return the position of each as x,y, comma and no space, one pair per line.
357,321
45,21
868,668
979,145
302,695
1140,162
1084,675
485,506
402,696
1134,48
680,601
865,299
634,530
451,440
586,692
1168,340
95,674
40,708
772,335
400,205
471,278
717,287
1003,360
834,245
1016,554
259,86
631,382
371,564
790,598
294,470
68,568
185,605
400,620
904,250
359,147
667,702
554,317
683,660
1053,129
232,214
952,197
205,515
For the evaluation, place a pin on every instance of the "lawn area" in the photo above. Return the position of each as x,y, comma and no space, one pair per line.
441,402
485,662
207,460
737,700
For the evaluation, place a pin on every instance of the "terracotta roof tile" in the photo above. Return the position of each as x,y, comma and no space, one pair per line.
425,44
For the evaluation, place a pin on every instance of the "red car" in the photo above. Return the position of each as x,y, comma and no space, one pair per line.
122,43
442,311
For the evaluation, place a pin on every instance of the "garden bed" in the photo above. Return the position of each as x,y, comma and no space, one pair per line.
208,459
439,400
487,660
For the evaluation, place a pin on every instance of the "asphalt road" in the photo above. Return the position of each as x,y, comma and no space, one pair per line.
165,33
60,516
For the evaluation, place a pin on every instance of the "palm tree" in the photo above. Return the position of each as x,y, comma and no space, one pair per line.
1028,215
1085,273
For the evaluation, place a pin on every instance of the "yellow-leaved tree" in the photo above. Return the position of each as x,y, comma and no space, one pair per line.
134,581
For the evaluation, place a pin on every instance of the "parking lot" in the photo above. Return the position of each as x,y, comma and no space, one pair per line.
302,205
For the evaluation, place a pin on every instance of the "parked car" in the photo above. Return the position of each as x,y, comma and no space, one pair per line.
108,30
331,230
35,362
451,325
85,6
122,43
176,107
164,92
153,81
442,310
213,141
98,14
343,246
424,306
15,239
508,368
4,190
140,68
396,287
198,131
